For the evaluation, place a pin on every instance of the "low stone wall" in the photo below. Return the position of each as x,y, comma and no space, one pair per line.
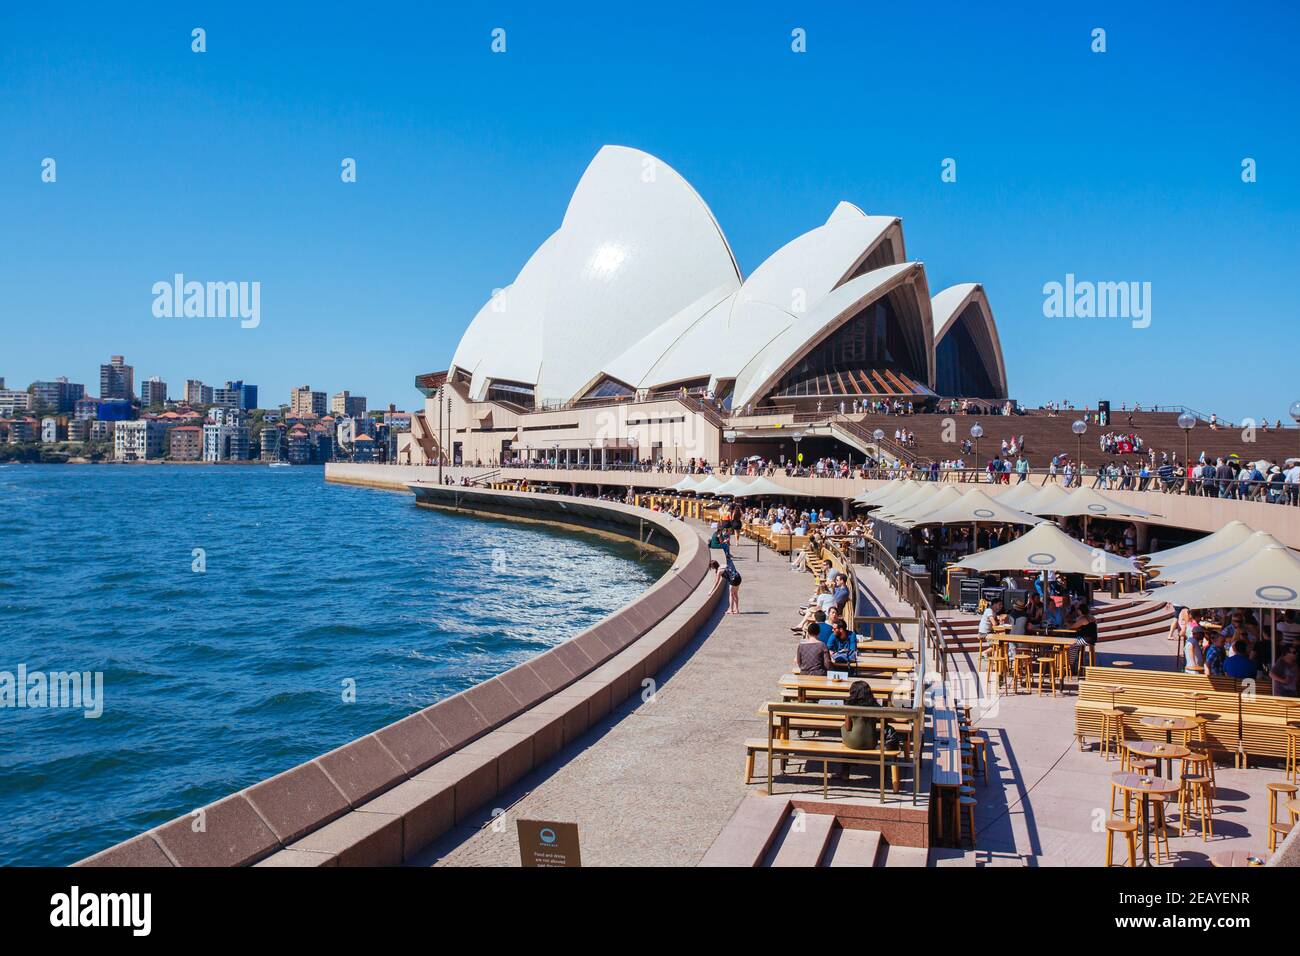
381,799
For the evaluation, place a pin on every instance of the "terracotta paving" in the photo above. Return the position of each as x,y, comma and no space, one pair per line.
1047,802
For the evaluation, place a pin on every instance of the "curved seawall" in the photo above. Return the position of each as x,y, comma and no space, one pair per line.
382,798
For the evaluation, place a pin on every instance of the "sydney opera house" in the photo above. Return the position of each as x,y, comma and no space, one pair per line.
631,333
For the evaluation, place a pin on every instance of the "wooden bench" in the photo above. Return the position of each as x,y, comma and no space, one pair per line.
945,774
1243,724
779,748
800,686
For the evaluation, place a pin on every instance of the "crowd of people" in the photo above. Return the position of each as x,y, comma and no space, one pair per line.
1231,643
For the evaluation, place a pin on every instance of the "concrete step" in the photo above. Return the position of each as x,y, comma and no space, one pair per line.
853,848
894,855
750,833
803,840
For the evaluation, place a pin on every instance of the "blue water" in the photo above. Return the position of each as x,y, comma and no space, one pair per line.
215,680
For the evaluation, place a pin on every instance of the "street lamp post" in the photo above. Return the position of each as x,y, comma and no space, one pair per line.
1295,412
797,437
1079,427
1187,421
977,432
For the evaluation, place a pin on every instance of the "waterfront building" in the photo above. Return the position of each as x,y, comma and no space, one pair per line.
303,401
153,392
140,440
185,443
54,429
630,333
117,379
299,445
363,448
78,430
272,438
229,441
345,403
59,396
102,430
20,430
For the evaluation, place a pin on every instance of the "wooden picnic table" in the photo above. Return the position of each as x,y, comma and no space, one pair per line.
1037,640
883,647
1144,786
802,684
870,662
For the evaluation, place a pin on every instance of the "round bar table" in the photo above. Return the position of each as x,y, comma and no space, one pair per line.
1144,786
1166,752
1168,725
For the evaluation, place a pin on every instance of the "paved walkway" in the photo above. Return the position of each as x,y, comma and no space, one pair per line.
1047,801
655,782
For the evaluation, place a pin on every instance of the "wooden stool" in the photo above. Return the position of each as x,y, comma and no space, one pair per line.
967,810
980,747
994,663
1129,829
1115,791
1158,801
1275,827
1092,656
1047,669
1112,729
1022,671
1198,762
1194,795
1292,751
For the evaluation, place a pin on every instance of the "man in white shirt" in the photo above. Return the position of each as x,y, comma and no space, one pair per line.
1292,483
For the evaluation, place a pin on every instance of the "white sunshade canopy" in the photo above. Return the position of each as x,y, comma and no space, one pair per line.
1018,494
885,493
977,507
689,483
1230,535
1087,502
917,513
1212,563
765,487
709,485
1048,548
1269,578
1044,501
735,486
920,492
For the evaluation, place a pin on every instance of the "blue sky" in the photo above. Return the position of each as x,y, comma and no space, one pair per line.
1122,166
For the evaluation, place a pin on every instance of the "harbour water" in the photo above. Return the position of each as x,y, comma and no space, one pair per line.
234,613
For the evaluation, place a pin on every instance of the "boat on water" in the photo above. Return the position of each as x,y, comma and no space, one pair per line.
279,464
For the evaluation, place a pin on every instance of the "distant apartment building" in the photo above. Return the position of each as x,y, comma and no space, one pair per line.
53,430
229,442
196,393
12,400
345,403
363,449
86,409
303,401
153,392
298,446
272,439
243,396
185,443
102,431
117,379
21,430
139,440
59,396
78,430
226,397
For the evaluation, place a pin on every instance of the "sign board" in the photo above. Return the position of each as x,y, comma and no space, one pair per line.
546,843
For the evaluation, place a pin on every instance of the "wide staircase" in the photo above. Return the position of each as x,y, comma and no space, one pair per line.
1116,621
1047,435
771,831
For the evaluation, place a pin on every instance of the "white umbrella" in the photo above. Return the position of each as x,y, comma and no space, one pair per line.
977,507
1230,535
689,483
735,486
1269,578
921,491
1211,563
1016,495
1048,548
917,513
709,485
885,493
1087,502
1047,497
763,486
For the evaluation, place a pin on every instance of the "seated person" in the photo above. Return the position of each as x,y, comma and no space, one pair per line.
843,645
1019,618
1239,663
859,733
811,656
991,617
840,593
